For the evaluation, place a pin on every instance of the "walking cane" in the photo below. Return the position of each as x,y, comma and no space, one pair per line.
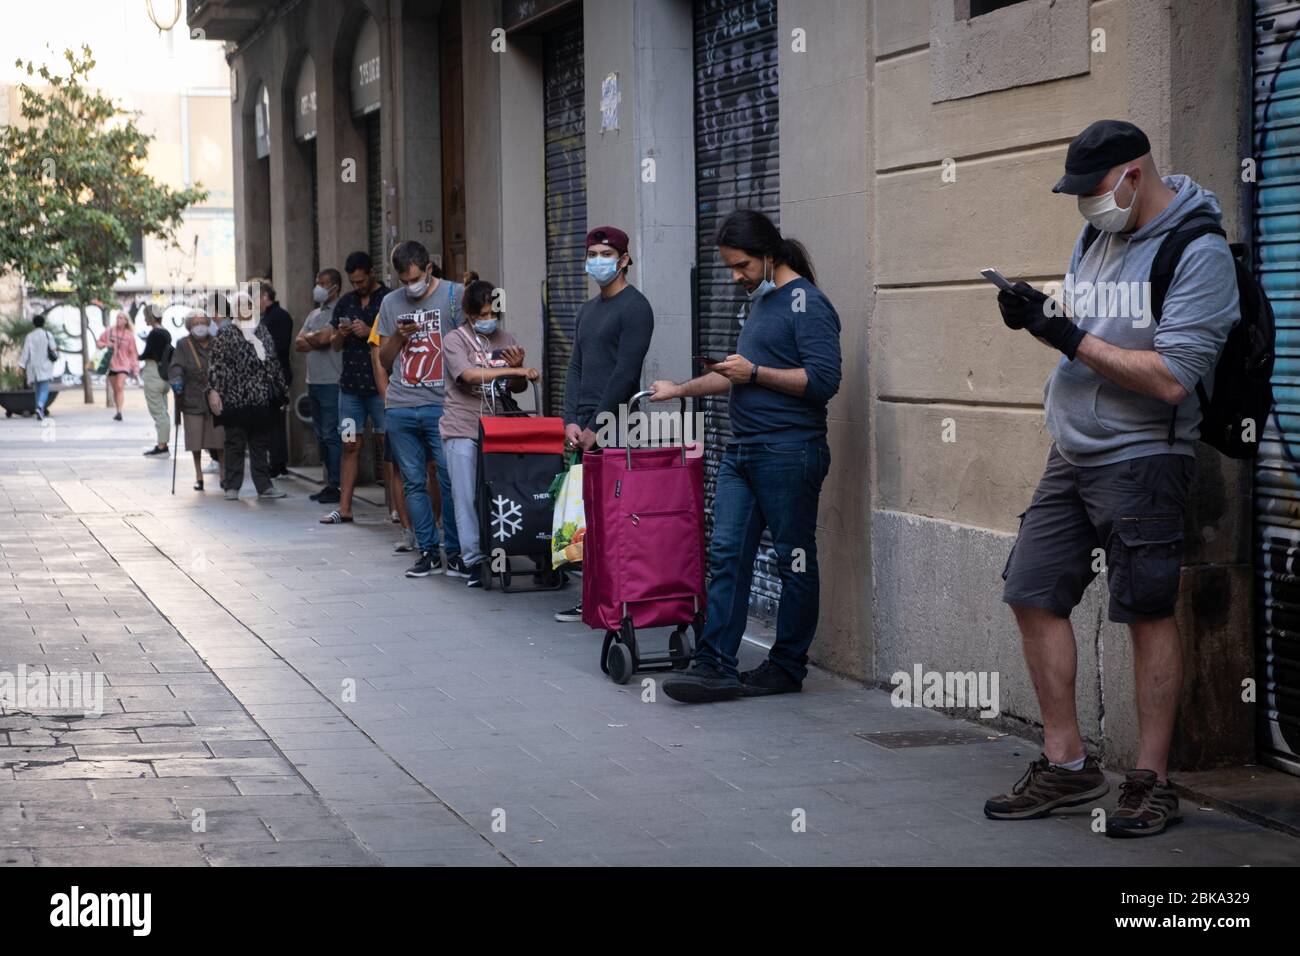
176,443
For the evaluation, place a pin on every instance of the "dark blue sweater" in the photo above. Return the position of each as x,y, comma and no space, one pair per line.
777,335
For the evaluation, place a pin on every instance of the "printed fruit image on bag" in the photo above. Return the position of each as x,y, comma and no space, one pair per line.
568,527
420,361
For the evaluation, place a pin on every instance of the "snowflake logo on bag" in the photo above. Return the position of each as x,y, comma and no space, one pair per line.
507,518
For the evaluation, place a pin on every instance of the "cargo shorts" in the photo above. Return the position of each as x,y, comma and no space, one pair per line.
1131,510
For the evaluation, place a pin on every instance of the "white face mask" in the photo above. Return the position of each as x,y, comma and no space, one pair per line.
418,288
1104,213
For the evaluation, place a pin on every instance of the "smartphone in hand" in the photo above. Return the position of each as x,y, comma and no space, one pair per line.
999,280
708,360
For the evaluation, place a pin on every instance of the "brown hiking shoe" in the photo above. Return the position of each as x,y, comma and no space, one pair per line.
1045,788
1145,806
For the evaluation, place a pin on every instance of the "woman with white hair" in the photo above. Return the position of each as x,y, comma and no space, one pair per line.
188,374
246,392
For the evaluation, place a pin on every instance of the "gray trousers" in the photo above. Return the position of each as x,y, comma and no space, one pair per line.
462,463
258,444
155,398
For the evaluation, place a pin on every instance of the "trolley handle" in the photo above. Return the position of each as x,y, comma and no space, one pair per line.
523,412
631,408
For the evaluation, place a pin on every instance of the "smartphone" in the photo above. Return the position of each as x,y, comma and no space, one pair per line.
707,360
999,280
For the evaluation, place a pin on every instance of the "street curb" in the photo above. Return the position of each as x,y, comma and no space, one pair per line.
1234,809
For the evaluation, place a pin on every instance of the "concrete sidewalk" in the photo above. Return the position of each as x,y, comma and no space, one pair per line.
284,678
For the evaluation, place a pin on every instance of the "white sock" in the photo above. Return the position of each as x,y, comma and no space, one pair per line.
1073,765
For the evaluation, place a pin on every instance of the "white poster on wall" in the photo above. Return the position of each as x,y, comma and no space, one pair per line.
609,97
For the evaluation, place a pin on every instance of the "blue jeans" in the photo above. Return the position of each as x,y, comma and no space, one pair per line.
412,432
325,423
42,393
355,409
777,486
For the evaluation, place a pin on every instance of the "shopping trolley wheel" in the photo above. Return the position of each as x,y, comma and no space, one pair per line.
679,649
618,664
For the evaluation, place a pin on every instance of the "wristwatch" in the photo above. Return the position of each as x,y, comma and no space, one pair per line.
753,376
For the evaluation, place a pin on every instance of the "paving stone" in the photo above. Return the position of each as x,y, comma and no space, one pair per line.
467,703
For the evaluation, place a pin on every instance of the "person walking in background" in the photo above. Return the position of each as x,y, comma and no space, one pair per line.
359,398
280,324
248,392
154,360
188,374
37,362
324,365
610,340
123,359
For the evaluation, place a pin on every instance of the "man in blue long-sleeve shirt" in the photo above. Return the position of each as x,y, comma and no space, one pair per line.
786,368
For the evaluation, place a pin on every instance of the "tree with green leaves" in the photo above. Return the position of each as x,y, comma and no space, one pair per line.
74,190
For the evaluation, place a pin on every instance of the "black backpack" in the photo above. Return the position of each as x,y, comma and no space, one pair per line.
1233,419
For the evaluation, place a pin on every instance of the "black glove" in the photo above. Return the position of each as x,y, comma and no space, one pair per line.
1027,308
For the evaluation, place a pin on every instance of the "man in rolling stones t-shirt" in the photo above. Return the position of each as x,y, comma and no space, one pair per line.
413,320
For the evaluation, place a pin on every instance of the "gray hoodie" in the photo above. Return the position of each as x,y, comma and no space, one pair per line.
1093,420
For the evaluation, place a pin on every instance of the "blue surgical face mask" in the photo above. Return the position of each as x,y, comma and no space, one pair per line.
763,288
485,326
319,294
601,269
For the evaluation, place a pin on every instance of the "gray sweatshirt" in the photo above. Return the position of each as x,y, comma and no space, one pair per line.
1108,293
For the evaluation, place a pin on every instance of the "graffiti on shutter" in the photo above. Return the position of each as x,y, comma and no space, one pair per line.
1277,477
566,201
736,167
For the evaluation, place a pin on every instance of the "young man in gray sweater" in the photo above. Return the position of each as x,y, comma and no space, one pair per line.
610,341
1123,413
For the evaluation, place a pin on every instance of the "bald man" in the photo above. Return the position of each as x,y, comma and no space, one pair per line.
1123,412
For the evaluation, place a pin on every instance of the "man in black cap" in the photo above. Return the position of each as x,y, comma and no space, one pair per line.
610,340
1123,412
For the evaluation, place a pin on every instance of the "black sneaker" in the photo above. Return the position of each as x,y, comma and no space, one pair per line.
701,684
476,575
456,567
329,496
422,568
571,615
768,678
315,495
155,451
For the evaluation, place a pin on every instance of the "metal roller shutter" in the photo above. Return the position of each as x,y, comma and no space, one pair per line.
566,201
736,166
1277,476
375,194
